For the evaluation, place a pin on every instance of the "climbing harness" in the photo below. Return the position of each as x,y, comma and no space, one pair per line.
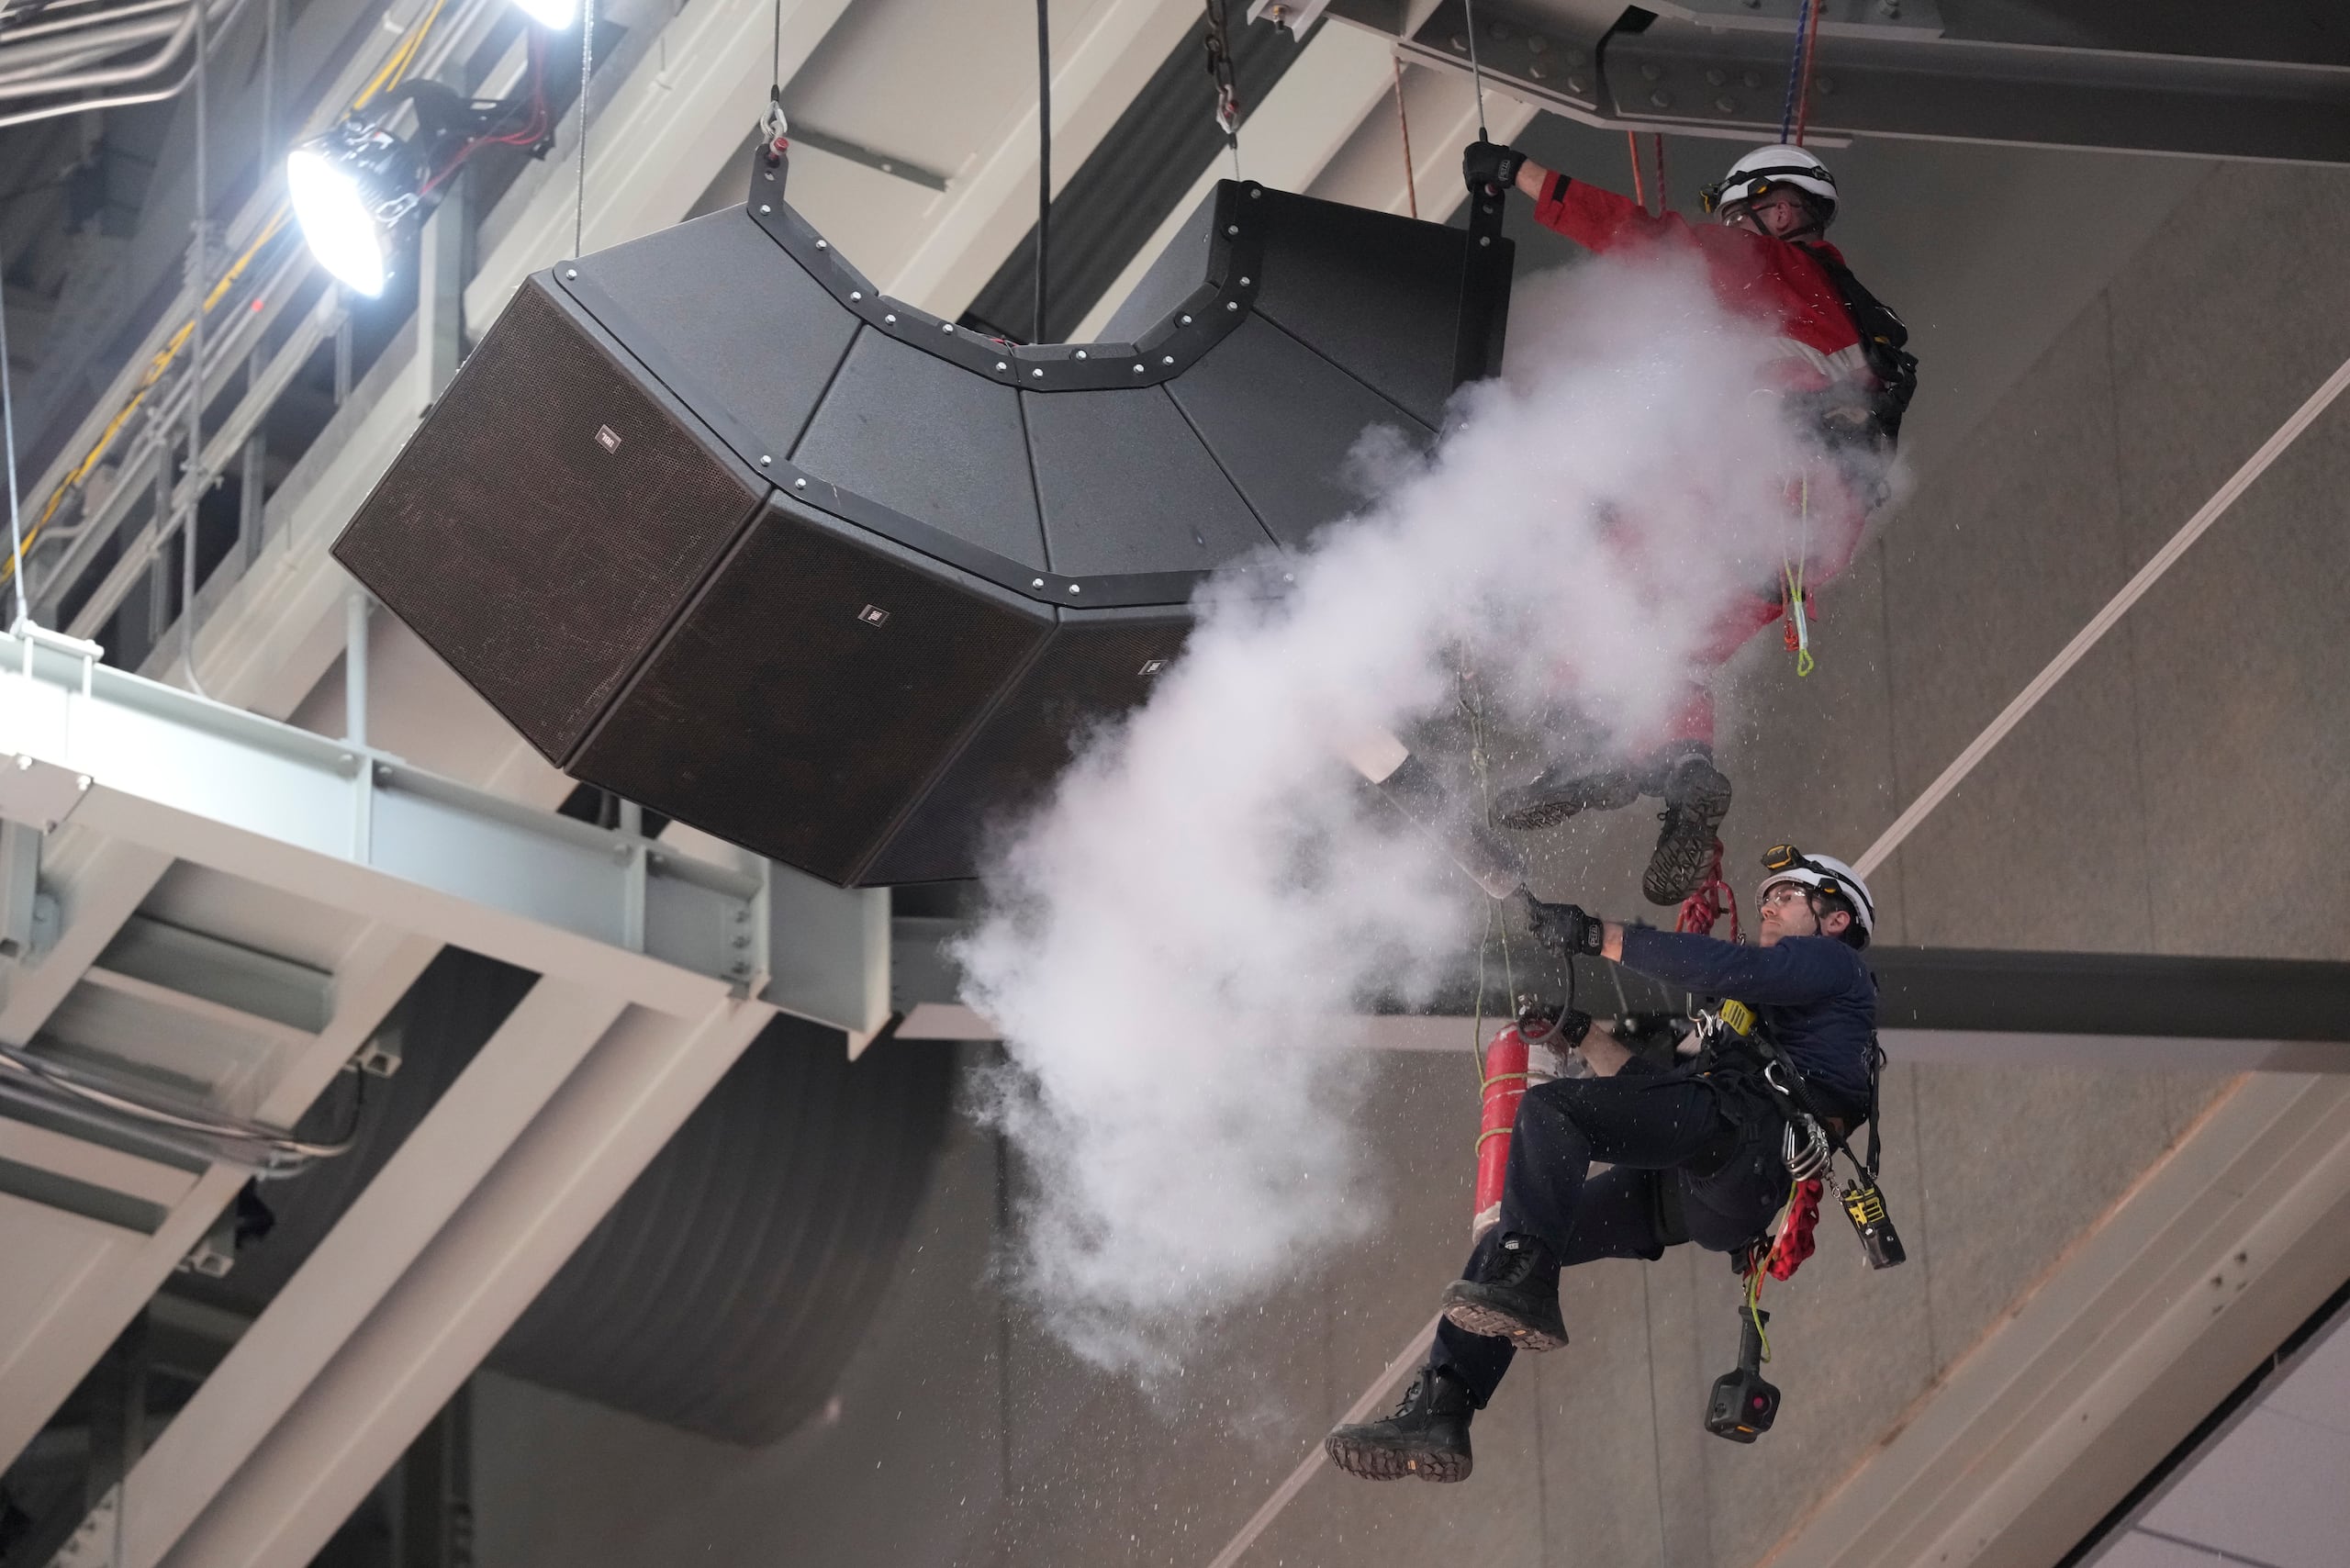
1884,338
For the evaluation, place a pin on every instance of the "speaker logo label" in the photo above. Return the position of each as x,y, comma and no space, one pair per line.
873,615
608,438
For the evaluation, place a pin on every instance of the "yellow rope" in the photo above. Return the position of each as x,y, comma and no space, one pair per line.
1754,1309
1794,573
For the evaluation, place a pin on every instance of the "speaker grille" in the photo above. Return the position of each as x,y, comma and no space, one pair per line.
551,517
804,699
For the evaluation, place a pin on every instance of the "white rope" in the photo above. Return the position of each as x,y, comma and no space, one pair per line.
2089,636
1414,1353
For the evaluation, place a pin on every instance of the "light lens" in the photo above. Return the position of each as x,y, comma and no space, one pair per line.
336,219
556,15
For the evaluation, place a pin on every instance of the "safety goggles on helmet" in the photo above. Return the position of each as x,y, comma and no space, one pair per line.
1824,874
1752,187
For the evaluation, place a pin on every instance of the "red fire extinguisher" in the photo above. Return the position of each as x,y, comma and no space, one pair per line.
1531,1050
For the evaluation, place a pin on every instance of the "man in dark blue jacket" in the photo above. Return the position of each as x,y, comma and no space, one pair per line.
1694,1150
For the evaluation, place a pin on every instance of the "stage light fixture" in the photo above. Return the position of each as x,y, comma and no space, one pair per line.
352,188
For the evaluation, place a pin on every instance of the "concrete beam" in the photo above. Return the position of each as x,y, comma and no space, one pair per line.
440,1163
466,1288
2110,1361
80,1297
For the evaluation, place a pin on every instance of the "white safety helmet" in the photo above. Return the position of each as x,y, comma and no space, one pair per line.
1766,168
1785,863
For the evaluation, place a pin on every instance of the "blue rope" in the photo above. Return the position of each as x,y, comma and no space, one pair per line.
1795,68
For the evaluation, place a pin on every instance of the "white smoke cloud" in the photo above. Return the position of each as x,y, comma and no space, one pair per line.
1209,892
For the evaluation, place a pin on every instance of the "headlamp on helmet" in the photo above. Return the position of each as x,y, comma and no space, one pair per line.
1767,169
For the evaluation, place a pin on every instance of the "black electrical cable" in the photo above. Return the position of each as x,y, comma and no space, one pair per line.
1044,153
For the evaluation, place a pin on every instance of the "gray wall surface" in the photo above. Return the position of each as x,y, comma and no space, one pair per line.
2174,794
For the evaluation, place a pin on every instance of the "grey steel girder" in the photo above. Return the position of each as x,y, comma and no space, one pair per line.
1908,69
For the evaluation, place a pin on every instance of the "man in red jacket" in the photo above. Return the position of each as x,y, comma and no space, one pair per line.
1840,359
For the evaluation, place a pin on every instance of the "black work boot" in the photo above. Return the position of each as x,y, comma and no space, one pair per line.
1427,1437
1563,789
1515,1297
1696,799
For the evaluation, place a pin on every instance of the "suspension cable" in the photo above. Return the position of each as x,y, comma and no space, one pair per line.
1043,155
1476,71
586,67
200,278
1403,124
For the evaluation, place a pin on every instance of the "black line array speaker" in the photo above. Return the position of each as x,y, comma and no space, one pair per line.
718,525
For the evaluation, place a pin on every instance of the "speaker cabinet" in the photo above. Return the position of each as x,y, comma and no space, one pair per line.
718,526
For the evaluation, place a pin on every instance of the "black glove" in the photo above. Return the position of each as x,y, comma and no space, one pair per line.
1564,929
1488,165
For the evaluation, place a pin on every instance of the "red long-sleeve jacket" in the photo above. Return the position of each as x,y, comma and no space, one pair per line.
1774,281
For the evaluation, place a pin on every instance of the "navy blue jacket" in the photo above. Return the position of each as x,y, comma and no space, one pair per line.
1813,993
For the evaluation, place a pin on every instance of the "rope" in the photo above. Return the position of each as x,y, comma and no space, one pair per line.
1639,192
2088,636
1714,897
1403,124
1798,72
1663,197
1796,596
1803,96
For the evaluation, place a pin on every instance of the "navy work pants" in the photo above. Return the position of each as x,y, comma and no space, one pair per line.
1714,1136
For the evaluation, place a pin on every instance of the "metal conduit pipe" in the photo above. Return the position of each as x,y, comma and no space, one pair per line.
12,37
50,55
219,15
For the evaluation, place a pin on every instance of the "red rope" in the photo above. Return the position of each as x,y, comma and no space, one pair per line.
1639,193
1803,94
1714,897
